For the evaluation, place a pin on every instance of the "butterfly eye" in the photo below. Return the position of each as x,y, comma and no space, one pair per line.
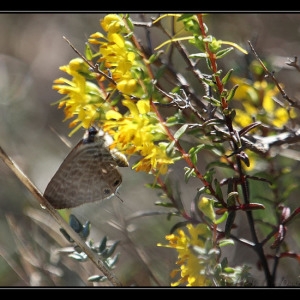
117,182
90,135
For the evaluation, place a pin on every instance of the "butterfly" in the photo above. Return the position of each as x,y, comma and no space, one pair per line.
89,172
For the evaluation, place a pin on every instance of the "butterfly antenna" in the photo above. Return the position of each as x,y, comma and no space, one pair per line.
118,196
61,137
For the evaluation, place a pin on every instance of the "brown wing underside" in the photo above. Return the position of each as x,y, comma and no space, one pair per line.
89,173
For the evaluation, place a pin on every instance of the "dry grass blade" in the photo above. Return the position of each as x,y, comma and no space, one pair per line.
62,223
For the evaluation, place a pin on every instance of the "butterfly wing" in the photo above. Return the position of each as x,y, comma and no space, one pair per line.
89,173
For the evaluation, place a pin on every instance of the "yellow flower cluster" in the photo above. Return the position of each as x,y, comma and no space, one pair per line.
137,133
259,104
192,267
83,98
116,53
258,101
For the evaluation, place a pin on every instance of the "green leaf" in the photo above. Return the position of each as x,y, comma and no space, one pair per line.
160,72
232,113
228,270
208,81
217,74
172,214
224,262
212,100
226,242
200,192
81,257
111,250
229,223
198,55
86,230
153,186
155,56
176,119
211,122
66,235
227,77
194,158
246,129
75,224
195,150
180,131
88,52
231,198
209,175
222,218
102,245
112,261
129,23
189,172
170,148
97,278
244,157
164,204
185,16
218,189
208,39
223,52
231,93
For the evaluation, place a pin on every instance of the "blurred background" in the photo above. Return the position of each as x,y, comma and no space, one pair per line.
32,49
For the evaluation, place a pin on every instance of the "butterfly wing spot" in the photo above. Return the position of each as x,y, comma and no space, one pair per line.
107,191
104,171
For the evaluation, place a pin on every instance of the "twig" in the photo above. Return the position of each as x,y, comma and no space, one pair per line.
95,67
271,75
293,63
62,223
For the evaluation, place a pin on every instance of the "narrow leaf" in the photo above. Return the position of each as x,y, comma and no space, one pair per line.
226,242
97,278
231,93
227,77
180,131
223,52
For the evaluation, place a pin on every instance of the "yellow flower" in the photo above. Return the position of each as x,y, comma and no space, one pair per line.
243,118
258,101
192,266
127,86
206,206
117,54
112,23
141,133
84,101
